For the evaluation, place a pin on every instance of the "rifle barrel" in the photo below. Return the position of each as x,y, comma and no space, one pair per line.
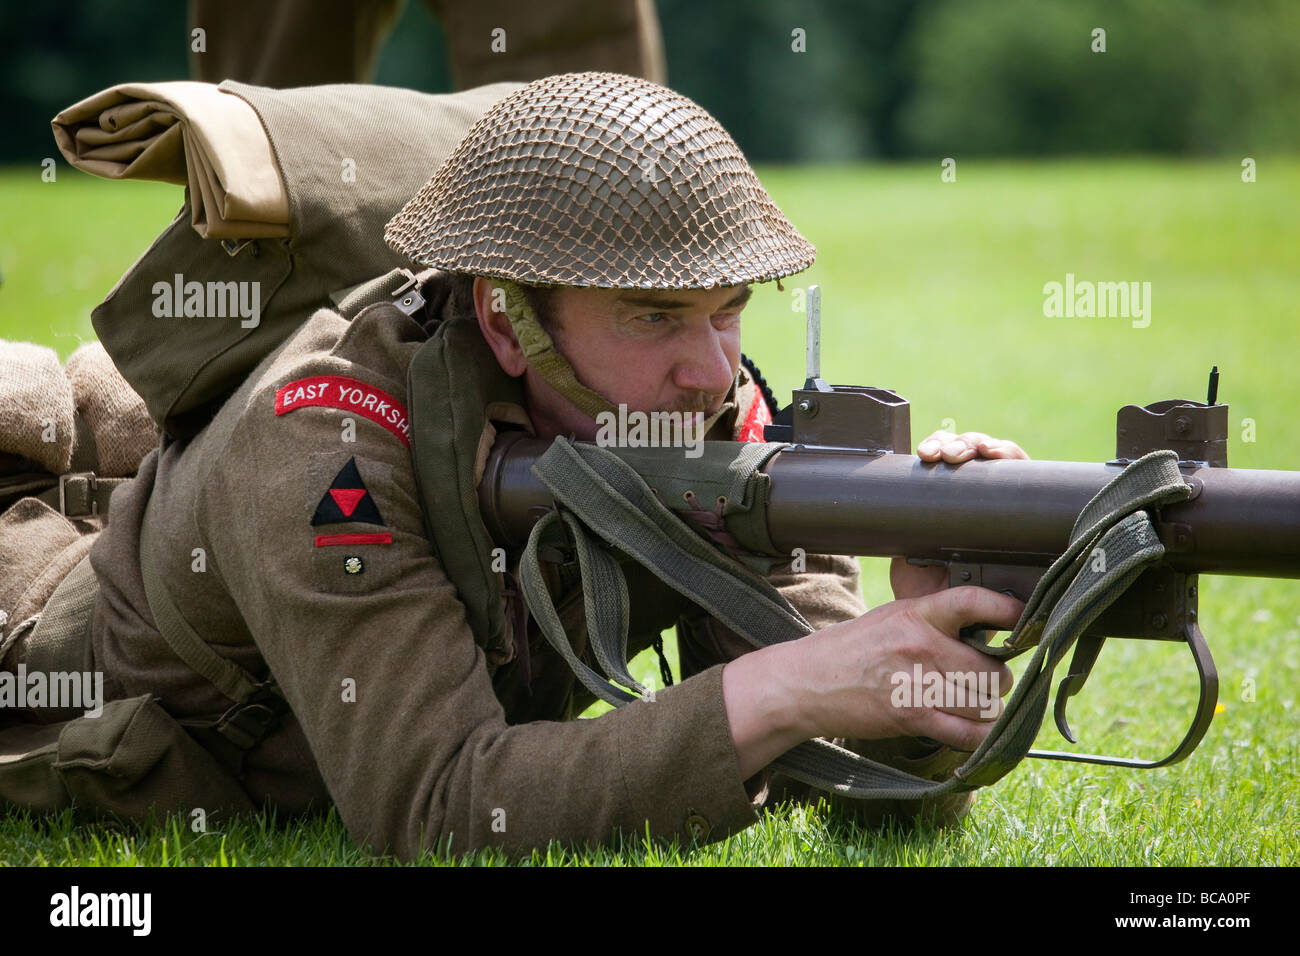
1241,521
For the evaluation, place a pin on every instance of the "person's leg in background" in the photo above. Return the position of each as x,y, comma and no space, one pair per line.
308,42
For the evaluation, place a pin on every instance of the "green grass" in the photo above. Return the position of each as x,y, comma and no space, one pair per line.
64,244
935,290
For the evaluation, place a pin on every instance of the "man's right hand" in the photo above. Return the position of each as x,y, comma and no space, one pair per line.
841,681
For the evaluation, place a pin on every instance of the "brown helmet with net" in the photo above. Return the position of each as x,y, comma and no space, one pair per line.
605,180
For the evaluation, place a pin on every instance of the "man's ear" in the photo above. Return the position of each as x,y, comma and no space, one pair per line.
495,325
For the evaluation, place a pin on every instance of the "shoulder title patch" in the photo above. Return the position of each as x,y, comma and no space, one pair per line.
349,394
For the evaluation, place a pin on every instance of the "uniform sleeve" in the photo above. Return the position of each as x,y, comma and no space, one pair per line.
826,592
322,545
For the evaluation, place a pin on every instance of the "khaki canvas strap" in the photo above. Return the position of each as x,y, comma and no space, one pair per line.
81,494
60,641
543,609
614,502
399,286
27,484
258,705
599,496
452,381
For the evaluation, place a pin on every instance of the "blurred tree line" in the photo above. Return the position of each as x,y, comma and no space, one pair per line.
885,78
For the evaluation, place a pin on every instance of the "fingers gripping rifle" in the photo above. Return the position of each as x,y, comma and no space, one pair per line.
845,482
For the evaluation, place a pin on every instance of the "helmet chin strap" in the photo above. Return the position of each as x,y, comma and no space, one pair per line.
554,369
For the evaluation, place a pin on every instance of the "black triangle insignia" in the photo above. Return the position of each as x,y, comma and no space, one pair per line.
330,510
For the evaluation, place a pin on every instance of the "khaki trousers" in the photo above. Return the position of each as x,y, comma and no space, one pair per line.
309,42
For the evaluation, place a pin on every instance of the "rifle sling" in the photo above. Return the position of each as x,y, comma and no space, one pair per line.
599,498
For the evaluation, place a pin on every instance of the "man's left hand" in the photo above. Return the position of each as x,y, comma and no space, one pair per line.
908,580
954,449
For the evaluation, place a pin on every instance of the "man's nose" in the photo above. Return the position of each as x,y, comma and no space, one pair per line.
705,365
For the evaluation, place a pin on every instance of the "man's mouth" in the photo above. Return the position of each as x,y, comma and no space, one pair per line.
706,405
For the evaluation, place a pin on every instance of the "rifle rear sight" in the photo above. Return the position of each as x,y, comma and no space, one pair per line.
878,420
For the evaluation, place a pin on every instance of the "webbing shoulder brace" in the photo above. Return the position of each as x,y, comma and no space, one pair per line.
453,383
256,705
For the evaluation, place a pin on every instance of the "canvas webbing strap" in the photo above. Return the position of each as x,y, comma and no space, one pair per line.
600,496
76,494
613,501
60,642
399,286
81,494
594,570
258,705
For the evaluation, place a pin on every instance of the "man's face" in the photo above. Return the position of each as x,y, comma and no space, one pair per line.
653,351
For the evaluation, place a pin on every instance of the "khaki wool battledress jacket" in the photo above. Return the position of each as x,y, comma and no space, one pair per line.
292,550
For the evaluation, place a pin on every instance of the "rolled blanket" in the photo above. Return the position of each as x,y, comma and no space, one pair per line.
117,416
36,406
191,134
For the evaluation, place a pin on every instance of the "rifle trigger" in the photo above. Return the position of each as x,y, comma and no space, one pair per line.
1085,656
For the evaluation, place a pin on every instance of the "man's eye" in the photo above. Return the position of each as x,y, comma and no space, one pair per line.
654,318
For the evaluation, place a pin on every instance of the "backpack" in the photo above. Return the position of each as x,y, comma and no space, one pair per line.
348,157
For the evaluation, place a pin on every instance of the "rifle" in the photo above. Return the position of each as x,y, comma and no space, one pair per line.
846,483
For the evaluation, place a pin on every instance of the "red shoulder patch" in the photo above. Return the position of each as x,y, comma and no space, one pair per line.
348,394
759,415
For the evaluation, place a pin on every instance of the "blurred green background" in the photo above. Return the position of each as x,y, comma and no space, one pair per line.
885,78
